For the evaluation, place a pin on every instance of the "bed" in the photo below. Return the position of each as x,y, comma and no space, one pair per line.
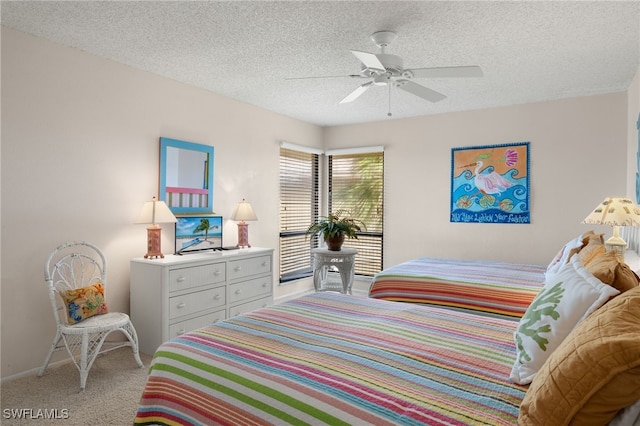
331,358
501,288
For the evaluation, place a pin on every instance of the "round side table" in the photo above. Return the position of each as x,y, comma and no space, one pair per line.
325,265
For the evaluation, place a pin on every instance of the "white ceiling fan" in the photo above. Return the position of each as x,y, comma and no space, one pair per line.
386,69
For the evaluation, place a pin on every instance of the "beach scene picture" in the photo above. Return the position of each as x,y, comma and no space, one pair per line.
197,233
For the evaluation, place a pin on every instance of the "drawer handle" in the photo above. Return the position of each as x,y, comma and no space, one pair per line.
238,291
216,297
181,305
180,279
181,332
264,285
238,269
217,272
264,263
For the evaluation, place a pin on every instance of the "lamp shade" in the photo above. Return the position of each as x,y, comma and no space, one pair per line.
615,212
155,211
243,212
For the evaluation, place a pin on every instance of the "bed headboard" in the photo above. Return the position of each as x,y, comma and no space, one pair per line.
631,234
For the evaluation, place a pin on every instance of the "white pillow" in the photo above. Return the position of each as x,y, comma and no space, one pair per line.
627,416
567,298
563,255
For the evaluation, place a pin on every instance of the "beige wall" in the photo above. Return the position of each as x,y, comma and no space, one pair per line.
80,156
80,138
633,111
577,152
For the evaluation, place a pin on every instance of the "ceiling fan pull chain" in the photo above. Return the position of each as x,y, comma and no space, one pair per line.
389,84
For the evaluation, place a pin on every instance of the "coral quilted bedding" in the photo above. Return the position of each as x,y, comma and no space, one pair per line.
329,358
477,285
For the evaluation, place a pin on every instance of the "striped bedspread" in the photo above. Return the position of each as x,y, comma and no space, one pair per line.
490,287
336,359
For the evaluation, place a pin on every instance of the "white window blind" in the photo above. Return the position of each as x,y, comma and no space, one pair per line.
356,185
298,209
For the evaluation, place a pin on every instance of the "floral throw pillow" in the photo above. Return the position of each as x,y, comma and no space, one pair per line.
85,302
567,298
563,255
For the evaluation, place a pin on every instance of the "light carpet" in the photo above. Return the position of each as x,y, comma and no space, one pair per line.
110,397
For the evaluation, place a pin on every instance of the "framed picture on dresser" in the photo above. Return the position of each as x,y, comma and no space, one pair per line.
198,233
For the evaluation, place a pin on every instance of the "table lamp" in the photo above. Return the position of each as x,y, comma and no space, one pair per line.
154,212
616,212
242,213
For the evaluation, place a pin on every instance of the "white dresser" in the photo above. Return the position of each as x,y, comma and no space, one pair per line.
177,294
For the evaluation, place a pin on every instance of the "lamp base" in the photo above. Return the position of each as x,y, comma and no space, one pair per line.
153,242
243,235
616,244
616,247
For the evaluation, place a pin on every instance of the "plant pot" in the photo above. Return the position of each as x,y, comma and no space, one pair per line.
335,243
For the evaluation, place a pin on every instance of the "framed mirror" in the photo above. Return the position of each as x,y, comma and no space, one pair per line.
186,176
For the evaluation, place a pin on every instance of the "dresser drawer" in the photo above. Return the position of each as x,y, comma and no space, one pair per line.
196,276
249,289
186,304
250,306
188,325
246,267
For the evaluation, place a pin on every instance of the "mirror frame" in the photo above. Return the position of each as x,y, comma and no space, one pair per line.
168,194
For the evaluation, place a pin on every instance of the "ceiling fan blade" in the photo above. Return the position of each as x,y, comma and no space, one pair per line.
356,93
326,76
447,72
420,91
369,60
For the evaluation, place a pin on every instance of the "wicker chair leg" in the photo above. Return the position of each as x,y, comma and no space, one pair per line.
54,347
131,334
84,370
136,356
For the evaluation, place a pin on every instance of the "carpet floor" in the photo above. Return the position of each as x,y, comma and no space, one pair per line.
111,395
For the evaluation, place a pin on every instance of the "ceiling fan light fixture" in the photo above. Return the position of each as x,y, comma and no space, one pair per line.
381,80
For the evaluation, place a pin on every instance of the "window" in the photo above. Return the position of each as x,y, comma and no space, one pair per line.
298,209
356,185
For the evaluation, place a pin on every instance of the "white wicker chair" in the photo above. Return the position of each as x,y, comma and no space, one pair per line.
76,265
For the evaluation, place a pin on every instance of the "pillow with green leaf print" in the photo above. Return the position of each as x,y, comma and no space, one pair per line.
566,299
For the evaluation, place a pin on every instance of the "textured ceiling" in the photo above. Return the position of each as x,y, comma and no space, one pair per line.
529,51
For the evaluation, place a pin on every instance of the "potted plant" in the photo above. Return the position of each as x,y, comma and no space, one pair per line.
335,228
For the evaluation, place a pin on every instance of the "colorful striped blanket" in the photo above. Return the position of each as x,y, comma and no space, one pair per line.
485,286
336,359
